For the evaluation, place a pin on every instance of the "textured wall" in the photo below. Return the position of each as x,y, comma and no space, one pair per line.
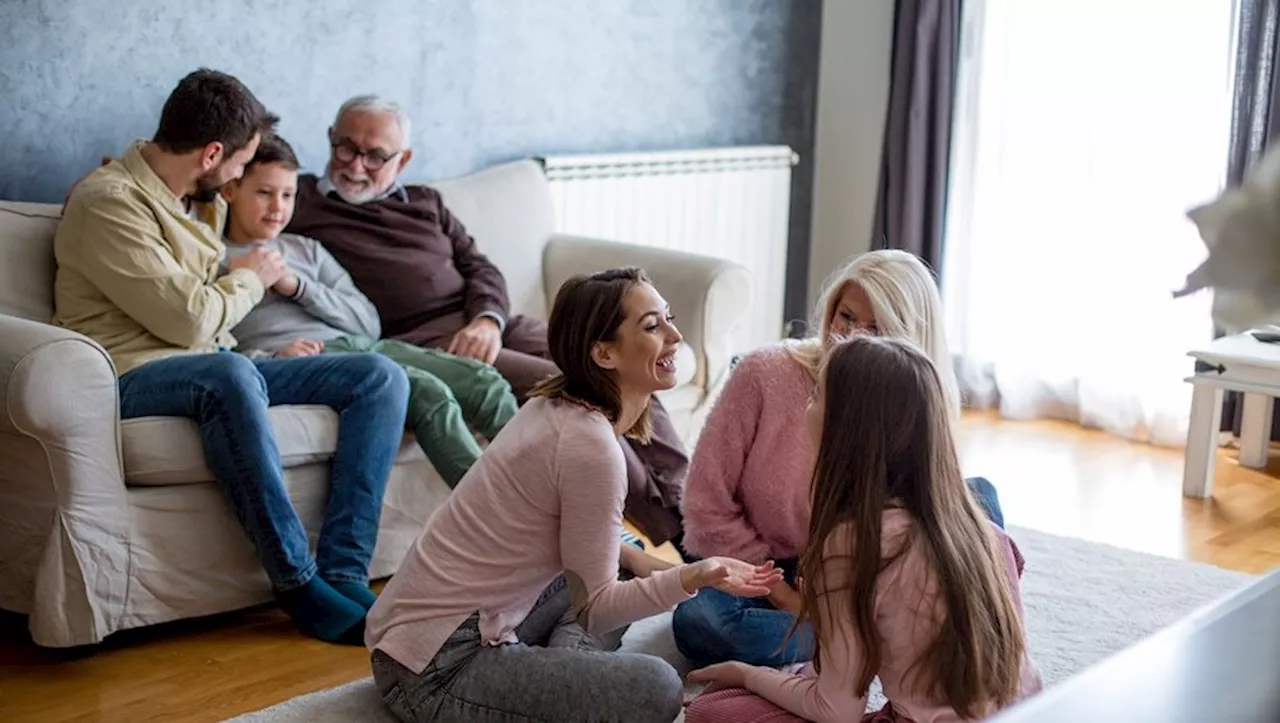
852,104
485,80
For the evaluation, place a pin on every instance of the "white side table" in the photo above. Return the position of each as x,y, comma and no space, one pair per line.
1240,364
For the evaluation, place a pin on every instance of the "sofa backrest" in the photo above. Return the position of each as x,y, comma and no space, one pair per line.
506,208
26,259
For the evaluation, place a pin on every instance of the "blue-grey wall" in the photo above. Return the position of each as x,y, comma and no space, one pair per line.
484,80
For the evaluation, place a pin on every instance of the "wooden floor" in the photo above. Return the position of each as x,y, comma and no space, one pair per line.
1051,476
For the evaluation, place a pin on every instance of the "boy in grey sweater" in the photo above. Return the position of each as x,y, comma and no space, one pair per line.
318,309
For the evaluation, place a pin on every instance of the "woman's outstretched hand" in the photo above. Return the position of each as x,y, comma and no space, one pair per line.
730,576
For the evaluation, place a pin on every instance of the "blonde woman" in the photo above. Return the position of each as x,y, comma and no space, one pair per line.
747,493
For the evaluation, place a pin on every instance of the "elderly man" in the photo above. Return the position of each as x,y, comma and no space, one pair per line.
433,287
137,252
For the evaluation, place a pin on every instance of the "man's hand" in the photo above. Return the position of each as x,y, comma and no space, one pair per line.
479,340
287,285
268,265
300,347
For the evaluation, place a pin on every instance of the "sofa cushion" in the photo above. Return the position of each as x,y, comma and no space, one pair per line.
26,259
167,450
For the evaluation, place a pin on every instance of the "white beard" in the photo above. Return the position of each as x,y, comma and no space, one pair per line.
355,199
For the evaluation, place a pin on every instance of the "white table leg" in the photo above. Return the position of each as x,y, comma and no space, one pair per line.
1255,431
1202,437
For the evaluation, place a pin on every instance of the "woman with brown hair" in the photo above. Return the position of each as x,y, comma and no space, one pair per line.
906,578
498,610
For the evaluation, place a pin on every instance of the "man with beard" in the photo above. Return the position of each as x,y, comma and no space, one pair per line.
138,252
434,287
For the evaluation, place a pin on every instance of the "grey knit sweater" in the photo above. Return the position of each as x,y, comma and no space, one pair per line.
327,304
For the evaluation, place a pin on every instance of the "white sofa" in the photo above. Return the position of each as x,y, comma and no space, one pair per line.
108,525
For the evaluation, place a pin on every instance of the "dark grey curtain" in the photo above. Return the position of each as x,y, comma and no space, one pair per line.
911,206
1255,121
1254,106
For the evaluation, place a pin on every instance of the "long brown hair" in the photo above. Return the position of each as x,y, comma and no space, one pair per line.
886,442
588,310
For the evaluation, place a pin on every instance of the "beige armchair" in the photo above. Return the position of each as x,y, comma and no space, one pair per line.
108,525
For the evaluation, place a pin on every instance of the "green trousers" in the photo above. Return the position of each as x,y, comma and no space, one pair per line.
448,396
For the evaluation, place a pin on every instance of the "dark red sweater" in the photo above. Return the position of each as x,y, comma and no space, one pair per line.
413,260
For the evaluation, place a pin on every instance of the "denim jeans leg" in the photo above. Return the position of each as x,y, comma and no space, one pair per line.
469,682
370,393
224,394
986,494
715,627
548,609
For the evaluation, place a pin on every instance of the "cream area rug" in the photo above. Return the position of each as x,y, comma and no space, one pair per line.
1084,601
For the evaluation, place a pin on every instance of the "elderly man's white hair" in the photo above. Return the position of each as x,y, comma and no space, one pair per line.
375,104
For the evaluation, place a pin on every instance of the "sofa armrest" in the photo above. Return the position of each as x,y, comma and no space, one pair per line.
708,296
64,516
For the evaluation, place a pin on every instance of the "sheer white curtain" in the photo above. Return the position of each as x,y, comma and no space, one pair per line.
1084,130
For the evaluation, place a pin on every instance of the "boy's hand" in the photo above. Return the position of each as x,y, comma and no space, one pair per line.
287,285
300,347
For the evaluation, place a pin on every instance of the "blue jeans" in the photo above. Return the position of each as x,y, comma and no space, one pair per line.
715,627
227,395
988,498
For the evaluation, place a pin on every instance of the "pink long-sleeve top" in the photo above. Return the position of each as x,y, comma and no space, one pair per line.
907,607
747,492
545,498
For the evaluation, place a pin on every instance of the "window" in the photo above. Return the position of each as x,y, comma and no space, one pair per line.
1084,130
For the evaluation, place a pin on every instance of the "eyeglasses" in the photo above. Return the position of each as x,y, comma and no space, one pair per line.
346,152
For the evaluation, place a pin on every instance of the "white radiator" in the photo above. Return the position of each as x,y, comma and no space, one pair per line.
733,203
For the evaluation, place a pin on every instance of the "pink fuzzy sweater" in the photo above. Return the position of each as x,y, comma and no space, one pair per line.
747,493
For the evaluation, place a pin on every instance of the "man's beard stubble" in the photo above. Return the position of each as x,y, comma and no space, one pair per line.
205,193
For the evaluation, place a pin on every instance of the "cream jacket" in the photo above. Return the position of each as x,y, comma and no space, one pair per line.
139,275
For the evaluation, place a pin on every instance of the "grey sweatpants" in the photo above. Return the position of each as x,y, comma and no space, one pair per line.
558,673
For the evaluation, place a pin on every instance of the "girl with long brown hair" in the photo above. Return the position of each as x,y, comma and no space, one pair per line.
904,578
747,493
